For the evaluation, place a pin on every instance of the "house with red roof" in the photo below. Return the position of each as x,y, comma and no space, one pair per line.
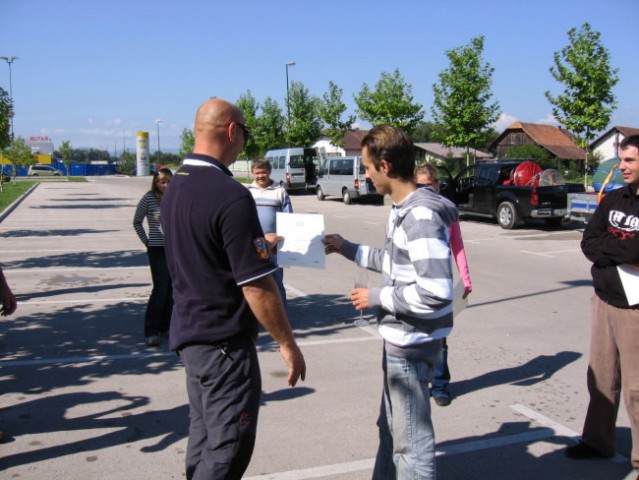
555,140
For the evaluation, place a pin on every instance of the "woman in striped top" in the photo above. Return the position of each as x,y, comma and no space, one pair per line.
158,310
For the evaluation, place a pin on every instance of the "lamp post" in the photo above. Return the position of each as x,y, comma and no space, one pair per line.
157,124
288,106
9,61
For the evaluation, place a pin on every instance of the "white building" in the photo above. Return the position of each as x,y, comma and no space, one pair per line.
605,147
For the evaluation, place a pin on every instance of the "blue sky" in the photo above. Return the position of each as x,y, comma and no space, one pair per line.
95,71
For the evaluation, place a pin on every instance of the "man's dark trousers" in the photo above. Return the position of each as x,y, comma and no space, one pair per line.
224,386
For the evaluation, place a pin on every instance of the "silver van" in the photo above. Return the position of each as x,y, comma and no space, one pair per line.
345,177
294,168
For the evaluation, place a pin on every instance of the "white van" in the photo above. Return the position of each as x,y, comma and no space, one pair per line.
345,177
294,168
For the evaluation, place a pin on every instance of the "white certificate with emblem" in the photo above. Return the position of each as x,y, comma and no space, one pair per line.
302,245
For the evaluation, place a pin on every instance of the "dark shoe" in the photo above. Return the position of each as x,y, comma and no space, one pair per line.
442,400
583,451
152,341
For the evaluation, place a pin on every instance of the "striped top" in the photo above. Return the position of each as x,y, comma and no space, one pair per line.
149,208
269,201
415,300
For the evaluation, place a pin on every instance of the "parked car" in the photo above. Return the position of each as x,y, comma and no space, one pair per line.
508,191
294,168
39,170
344,177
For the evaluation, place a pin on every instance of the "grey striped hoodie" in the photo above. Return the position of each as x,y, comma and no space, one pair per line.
415,300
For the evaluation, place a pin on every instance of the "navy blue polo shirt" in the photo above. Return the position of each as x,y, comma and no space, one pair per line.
214,245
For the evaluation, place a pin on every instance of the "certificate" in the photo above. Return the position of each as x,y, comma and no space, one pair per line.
629,275
302,245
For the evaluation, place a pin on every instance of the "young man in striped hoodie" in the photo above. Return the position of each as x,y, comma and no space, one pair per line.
414,303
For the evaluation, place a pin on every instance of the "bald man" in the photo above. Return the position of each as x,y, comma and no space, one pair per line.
223,287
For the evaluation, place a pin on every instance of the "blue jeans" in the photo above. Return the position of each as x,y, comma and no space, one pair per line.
441,375
278,275
406,437
160,306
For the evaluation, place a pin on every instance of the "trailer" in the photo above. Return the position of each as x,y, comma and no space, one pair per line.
581,206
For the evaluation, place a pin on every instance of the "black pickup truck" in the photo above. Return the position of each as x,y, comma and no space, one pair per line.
486,189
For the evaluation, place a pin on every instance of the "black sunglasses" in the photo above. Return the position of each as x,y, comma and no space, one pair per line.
247,132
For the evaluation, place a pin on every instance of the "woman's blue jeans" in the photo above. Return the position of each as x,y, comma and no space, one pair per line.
406,437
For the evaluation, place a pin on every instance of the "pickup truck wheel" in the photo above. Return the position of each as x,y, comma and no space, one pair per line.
507,215
319,193
346,197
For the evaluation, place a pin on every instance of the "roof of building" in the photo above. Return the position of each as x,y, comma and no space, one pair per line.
353,139
627,131
453,152
554,139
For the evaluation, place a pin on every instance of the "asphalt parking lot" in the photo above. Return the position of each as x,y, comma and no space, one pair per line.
82,397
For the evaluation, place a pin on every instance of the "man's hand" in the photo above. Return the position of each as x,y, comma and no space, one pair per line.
272,239
8,299
332,243
294,359
359,298
467,291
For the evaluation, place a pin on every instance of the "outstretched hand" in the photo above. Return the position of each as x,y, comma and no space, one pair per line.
332,243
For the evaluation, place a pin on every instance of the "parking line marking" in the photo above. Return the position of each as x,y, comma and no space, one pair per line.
558,429
88,300
550,429
550,254
267,347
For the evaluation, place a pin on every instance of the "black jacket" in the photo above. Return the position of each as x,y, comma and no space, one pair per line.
611,238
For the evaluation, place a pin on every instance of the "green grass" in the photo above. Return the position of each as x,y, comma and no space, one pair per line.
77,179
12,192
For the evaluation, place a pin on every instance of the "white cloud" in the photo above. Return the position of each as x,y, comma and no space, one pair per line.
504,121
549,120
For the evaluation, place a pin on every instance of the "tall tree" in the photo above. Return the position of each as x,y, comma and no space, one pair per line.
304,126
19,155
587,103
331,111
65,150
249,107
390,103
187,142
462,97
269,131
6,112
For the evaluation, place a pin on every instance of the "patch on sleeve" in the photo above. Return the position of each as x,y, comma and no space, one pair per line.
260,248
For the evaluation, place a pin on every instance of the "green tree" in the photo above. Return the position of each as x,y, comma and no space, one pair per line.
65,151
6,112
428,132
269,129
126,165
462,96
19,155
249,107
587,102
331,111
305,125
187,142
539,154
391,103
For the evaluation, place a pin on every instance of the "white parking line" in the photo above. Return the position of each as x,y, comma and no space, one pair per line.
551,254
551,429
558,429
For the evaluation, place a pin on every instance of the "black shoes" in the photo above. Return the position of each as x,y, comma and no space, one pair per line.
442,400
583,451
152,340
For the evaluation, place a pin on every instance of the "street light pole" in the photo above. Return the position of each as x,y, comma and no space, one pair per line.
157,123
288,106
9,61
